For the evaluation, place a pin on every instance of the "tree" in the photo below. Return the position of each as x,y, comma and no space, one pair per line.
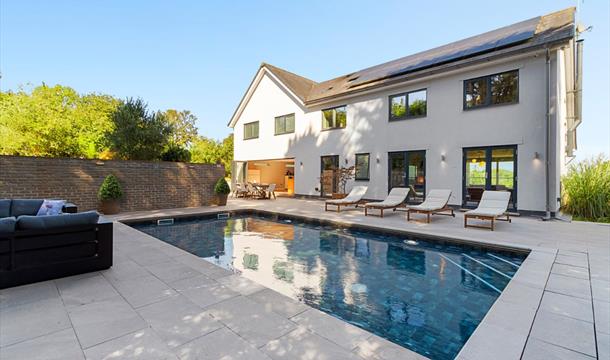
138,134
54,121
183,126
210,151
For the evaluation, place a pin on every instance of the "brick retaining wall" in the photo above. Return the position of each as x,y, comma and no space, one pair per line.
147,185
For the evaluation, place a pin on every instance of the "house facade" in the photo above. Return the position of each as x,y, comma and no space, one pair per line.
497,111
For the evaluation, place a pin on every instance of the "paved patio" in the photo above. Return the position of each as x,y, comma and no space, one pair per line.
159,302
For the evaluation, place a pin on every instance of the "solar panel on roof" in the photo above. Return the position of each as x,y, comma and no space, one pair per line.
509,35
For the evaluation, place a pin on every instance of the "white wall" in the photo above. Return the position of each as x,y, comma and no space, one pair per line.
446,129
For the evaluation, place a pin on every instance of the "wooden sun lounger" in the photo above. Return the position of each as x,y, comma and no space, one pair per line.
492,218
493,206
353,198
448,211
338,205
436,203
394,200
380,208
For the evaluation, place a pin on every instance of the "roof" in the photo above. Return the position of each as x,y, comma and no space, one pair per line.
526,35
299,85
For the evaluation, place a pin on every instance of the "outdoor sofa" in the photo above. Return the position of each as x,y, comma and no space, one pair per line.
36,248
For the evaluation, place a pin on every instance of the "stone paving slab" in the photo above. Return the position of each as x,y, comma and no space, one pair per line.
142,344
220,344
59,345
302,344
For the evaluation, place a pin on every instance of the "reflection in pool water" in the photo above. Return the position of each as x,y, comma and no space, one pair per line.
424,295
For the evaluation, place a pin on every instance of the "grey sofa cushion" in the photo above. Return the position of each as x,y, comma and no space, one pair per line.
5,208
25,207
7,225
27,222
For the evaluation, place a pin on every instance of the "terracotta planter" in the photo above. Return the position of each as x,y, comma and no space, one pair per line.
221,199
338,195
109,207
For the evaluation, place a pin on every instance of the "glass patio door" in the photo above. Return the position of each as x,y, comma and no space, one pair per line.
489,168
408,169
328,174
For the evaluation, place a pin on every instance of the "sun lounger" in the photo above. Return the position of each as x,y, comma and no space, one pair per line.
395,199
353,198
436,203
492,207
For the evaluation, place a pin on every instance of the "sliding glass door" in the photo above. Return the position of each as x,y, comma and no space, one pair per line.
328,174
408,169
489,168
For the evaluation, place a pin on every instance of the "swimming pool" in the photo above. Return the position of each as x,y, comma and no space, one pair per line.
427,295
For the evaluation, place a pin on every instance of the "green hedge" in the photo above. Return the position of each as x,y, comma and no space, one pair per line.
586,190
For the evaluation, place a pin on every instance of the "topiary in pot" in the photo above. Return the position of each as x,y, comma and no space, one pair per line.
222,191
110,194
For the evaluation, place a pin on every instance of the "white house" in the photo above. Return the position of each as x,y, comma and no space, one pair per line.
494,111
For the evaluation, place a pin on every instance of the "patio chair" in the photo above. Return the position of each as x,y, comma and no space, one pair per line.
493,206
251,191
353,198
240,190
436,203
394,200
271,191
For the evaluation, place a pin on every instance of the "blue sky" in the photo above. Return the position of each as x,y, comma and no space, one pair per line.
201,56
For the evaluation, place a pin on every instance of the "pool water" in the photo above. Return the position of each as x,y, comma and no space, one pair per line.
425,295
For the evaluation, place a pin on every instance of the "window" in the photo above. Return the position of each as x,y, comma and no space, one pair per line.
408,105
362,166
335,118
492,90
251,130
284,124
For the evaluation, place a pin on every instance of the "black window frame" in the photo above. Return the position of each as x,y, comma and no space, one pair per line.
335,117
368,170
407,115
284,117
257,133
488,97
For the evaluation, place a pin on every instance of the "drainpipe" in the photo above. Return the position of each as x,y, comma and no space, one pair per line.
547,164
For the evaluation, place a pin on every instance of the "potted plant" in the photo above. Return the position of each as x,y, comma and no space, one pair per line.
110,194
343,175
222,191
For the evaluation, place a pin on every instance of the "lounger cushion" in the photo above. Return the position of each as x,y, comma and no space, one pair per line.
396,197
353,197
437,199
5,208
7,225
25,207
26,222
492,212
493,203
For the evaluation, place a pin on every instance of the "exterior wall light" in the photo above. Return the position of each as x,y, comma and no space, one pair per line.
377,159
537,155
443,157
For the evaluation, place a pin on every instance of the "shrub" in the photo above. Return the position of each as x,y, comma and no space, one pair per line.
586,190
177,154
221,187
110,189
